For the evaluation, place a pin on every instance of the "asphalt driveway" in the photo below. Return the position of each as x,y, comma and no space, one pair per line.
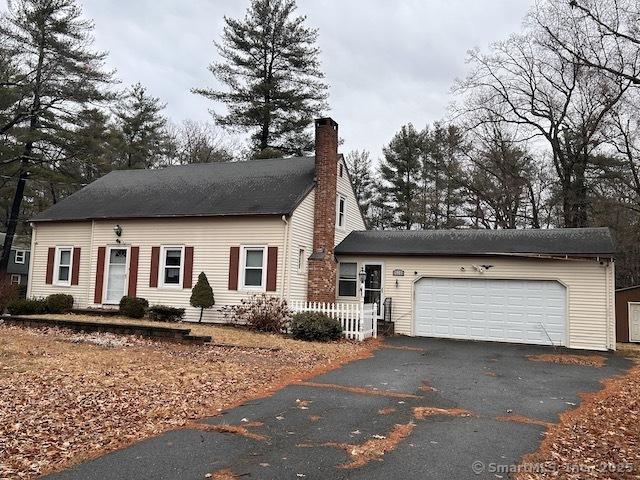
301,431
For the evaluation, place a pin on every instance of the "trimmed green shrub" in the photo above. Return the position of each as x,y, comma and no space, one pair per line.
162,313
59,303
202,294
22,306
314,326
133,307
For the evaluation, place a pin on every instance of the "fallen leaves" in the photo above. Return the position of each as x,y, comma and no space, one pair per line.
360,390
601,434
420,413
67,397
568,359
241,430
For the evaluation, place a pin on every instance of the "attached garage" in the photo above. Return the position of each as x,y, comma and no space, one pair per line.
544,287
517,311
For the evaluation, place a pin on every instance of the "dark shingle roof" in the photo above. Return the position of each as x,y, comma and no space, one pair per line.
257,187
564,241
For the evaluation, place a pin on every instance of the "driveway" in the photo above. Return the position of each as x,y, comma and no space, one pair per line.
310,431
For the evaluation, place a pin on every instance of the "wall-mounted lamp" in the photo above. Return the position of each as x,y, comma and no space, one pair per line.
117,230
362,275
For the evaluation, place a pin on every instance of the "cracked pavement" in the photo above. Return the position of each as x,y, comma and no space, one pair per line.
365,411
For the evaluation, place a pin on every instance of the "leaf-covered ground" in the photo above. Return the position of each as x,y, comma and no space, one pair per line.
67,397
599,439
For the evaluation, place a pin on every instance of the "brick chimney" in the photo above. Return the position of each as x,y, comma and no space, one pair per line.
322,264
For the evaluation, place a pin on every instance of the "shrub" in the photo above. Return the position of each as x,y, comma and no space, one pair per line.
162,313
202,295
133,307
59,303
262,313
22,306
315,326
8,292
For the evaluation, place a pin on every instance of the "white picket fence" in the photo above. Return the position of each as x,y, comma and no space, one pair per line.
359,321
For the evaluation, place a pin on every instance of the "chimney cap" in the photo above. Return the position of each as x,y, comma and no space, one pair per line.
326,121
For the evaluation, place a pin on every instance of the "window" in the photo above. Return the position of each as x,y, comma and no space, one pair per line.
348,280
20,256
301,260
15,279
62,267
341,170
341,207
172,266
253,271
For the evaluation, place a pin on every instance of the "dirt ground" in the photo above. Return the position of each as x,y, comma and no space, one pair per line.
67,397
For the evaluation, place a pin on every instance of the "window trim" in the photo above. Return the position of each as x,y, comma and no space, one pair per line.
243,266
343,213
163,266
23,255
56,267
18,276
107,267
356,280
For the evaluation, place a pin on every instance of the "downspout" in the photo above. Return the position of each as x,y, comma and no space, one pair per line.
89,283
611,332
32,254
284,293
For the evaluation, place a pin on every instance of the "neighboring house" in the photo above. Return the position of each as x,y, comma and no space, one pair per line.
292,228
18,268
628,314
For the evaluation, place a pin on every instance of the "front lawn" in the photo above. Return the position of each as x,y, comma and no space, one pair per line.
67,397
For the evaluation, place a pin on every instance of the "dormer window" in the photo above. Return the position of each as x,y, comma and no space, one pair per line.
341,209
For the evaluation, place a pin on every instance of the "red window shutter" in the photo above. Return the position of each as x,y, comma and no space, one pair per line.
97,297
75,269
234,263
51,258
155,261
133,271
187,281
272,269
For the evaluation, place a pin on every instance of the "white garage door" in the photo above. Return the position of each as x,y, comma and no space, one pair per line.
492,310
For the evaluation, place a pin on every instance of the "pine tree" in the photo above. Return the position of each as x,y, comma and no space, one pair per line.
57,73
359,165
270,66
400,171
202,295
142,137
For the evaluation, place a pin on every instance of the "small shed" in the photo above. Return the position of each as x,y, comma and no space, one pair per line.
628,314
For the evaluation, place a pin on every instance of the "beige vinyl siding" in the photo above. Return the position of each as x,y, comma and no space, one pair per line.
301,236
589,288
210,237
353,220
60,235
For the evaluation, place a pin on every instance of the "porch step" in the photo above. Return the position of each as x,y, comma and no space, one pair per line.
98,312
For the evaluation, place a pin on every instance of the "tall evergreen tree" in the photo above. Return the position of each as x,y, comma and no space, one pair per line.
270,66
359,165
142,139
400,172
57,73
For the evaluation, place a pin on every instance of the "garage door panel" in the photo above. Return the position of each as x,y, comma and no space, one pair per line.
488,309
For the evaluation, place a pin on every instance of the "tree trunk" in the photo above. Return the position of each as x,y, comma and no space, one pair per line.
12,221
201,310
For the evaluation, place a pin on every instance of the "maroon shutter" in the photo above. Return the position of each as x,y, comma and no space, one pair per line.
97,297
234,262
272,269
75,269
51,258
187,281
155,261
133,271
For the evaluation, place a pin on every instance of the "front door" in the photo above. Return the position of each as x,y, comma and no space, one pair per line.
116,276
373,284
634,322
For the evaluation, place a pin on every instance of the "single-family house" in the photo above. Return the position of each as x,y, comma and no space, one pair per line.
292,228
18,268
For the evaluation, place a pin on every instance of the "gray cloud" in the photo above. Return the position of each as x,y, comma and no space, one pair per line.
387,62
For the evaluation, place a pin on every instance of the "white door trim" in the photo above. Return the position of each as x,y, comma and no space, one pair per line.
629,304
108,267
382,277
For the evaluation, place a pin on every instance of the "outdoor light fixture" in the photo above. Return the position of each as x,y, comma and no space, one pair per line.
362,275
117,230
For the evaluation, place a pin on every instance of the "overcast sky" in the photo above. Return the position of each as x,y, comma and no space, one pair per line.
387,62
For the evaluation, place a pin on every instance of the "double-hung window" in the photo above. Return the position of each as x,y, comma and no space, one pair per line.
341,209
253,268
62,268
15,279
348,280
20,256
172,266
